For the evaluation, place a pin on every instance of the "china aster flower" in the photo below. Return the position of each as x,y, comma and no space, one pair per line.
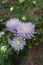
12,24
17,43
26,30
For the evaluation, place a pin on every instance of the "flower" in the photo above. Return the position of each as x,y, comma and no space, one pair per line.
12,24
26,30
17,43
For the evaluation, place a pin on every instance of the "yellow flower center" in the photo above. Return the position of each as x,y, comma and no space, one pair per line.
26,30
19,42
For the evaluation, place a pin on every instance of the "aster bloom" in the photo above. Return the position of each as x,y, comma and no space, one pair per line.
17,43
26,30
12,24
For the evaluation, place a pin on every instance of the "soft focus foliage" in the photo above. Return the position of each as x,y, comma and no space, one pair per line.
26,11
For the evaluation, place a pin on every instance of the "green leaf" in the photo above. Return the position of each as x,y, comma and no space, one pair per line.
40,31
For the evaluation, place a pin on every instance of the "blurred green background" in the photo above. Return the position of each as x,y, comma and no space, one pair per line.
26,11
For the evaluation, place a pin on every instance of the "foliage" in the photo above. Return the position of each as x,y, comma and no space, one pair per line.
23,11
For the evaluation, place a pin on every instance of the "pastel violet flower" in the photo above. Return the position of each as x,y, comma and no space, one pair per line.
17,43
12,24
26,30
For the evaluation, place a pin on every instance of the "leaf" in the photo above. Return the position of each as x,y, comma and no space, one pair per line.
40,31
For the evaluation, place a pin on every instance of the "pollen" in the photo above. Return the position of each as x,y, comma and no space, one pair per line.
19,42
26,30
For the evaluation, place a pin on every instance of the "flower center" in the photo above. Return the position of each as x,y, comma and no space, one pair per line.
19,42
26,30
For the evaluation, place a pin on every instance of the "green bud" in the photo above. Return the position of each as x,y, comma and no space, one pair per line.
21,1
3,48
11,8
23,18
